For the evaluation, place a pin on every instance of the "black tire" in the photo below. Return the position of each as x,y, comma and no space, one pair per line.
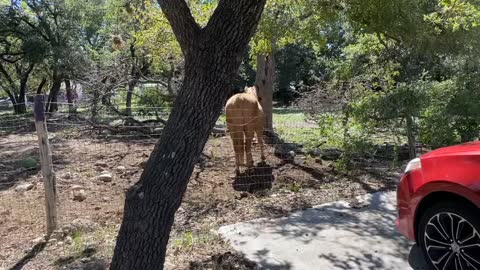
447,253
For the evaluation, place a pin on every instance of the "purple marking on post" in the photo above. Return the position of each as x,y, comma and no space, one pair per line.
39,108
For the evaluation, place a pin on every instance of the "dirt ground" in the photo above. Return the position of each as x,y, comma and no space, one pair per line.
90,220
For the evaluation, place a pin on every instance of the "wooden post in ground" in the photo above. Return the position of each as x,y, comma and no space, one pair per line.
46,163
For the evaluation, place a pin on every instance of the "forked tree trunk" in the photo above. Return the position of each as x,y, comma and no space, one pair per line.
52,105
212,58
264,80
21,106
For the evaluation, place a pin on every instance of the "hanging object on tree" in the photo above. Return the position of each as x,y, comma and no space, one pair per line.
117,42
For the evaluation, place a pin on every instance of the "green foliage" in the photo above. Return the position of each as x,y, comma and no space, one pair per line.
295,187
29,163
153,101
455,15
297,69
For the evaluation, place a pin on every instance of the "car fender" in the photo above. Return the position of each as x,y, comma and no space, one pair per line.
443,186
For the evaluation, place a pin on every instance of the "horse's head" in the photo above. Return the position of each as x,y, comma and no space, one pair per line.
253,91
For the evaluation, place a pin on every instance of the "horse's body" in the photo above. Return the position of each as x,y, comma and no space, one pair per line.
245,117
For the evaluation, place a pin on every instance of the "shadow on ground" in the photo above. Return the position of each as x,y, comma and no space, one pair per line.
234,261
31,254
254,179
338,235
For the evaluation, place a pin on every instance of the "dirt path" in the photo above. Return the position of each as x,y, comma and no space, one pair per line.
209,203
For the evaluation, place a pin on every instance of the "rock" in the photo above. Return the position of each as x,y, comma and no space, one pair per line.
315,152
105,177
60,244
208,164
116,123
67,175
318,161
24,187
84,225
52,241
96,265
299,160
106,199
79,195
89,251
97,208
85,260
57,234
38,240
67,229
76,187
121,168
242,195
358,204
101,164
68,240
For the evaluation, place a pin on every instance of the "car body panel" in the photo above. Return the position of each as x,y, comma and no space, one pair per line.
454,169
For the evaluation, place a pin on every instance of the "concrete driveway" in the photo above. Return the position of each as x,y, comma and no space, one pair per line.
329,236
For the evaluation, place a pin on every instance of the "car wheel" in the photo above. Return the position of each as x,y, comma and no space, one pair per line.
449,236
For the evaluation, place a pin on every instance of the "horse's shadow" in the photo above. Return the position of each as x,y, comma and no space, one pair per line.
254,179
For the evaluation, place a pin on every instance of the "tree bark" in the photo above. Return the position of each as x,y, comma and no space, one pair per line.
212,58
52,105
21,106
69,92
131,87
411,137
17,95
264,80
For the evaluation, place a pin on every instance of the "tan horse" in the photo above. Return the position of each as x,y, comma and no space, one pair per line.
245,117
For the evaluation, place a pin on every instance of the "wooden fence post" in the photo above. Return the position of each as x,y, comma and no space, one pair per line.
46,163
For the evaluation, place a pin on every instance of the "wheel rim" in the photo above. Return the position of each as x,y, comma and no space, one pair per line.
452,242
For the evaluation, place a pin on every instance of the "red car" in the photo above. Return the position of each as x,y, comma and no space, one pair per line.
438,201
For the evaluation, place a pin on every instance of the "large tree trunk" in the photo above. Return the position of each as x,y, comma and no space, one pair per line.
131,87
264,80
52,105
212,58
69,92
21,106
18,108
14,102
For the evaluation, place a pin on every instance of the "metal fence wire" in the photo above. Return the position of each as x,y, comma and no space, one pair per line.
97,156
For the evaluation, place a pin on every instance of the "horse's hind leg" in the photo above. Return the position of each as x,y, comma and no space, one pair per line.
248,146
238,147
259,132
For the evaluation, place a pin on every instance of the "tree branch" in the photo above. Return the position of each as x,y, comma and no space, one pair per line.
7,76
40,87
229,15
183,24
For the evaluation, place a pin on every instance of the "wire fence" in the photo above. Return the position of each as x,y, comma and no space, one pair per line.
98,155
